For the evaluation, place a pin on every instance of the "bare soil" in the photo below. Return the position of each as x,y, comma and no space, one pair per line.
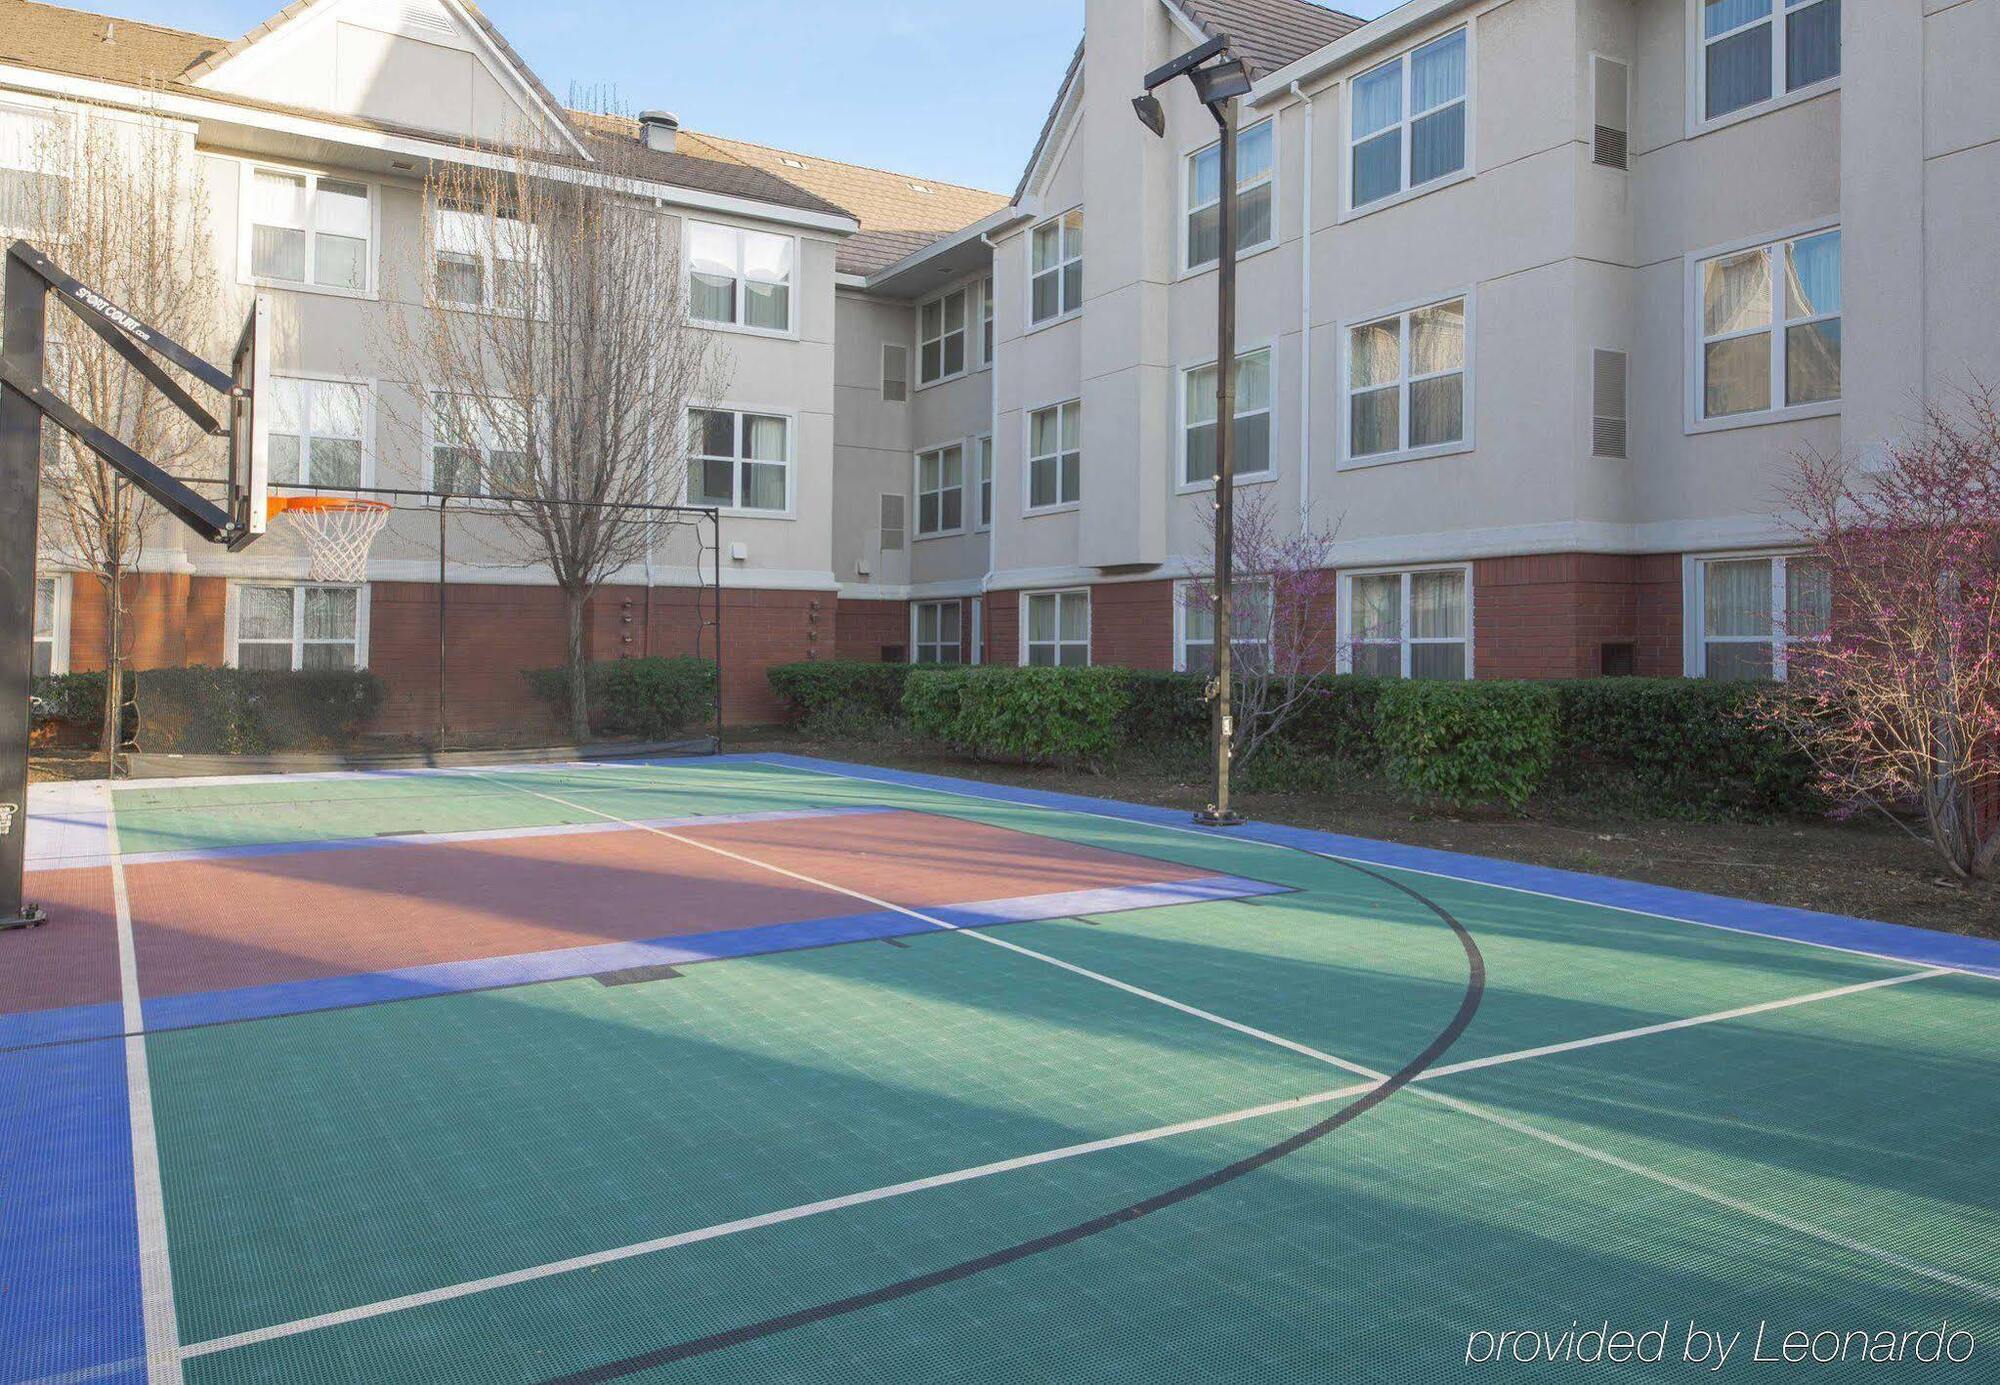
1866,868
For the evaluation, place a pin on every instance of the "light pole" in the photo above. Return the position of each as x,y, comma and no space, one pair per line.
1218,85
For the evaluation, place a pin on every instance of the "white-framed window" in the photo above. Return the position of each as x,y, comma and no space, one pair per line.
479,446
941,491
941,333
895,373
1407,122
308,229
1408,383
1414,624
1201,192
1055,268
1055,628
742,460
1194,625
982,451
483,260
1253,420
1055,456
936,627
1753,52
740,278
318,431
986,321
1752,610
34,188
51,625
298,626
1767,328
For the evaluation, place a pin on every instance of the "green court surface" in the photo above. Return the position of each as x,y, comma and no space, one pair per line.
1264,1107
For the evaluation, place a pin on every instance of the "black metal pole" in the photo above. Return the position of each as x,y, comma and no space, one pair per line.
443,630
23,314
1222,725
715,518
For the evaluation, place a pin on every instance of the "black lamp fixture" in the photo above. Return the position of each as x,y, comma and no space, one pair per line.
1219,82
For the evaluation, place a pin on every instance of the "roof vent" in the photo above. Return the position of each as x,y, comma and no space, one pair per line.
659,129
110,34
919,187
789,162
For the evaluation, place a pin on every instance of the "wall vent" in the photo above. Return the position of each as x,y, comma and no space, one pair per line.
1611,81
895,374
1607,404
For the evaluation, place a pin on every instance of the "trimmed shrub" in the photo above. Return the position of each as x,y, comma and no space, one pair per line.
76,698
1337,721
1467,743
1072,717
1164,710
233,711
637,699
1681,745
825,687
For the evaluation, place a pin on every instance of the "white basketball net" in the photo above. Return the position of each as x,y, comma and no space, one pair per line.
337,538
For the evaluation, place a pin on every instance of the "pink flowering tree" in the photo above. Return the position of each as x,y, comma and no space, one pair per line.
1899,705
1282,616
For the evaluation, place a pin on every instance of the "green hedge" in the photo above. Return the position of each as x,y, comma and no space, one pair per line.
840,687
1071,717
638,699
231,711
1467,743
77,698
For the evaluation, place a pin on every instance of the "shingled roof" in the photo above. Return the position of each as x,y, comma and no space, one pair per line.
1270,33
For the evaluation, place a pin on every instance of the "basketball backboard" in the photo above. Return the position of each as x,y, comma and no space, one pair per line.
249,444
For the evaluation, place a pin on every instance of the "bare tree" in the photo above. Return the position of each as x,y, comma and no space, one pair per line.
556,356
1894,679
119,202
1281,617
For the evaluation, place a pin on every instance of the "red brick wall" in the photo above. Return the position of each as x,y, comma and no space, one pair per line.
864,628
1550,615
172,620
493,634
1001,628
1132,624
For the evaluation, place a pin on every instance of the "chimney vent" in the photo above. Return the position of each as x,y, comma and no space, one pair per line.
658,130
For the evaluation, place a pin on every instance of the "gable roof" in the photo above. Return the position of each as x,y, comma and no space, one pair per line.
1070,78
93,45
1270,33
899,213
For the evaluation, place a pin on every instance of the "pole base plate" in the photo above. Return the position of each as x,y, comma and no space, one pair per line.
31,916
1209,817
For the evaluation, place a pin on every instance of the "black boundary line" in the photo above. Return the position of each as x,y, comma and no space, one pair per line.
1475,988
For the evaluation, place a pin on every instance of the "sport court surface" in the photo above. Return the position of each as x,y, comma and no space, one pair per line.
759,1068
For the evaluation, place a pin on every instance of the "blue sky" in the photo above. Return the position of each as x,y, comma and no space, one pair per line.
951,89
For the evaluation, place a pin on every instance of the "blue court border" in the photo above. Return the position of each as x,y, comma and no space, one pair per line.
1894,942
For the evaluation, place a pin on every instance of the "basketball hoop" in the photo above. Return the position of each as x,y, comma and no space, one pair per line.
336,530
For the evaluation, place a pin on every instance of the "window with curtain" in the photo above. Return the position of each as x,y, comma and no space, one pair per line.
306,229
982,448
1406,391
941,491
479,446
316,429
33,187
47,608
941,328
1253,419
1754,611
1055,456
1754,51
1055,260
1057,629
1770,327
1408,625
1249,634
483,260
937,627
1407,121
293,628
741,461
1256,226
739,278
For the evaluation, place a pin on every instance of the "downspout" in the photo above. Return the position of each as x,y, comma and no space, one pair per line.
993,433
1305,312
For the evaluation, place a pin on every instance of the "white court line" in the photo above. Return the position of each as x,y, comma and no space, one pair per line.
534,1273
966,1175
156,1272
1212,834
